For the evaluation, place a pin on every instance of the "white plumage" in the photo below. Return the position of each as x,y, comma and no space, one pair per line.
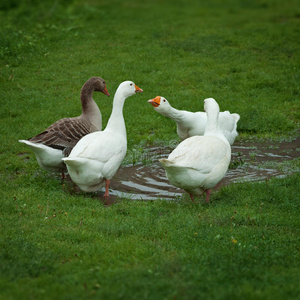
97,156
198,163
193,123
48,158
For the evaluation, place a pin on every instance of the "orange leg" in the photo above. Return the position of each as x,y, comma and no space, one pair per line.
192,197
63,177
208,192
107,182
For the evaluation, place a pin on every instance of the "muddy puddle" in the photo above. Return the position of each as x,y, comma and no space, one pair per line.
146,180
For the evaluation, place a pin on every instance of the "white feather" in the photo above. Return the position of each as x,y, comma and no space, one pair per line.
97,156
193,123
198,163
48,158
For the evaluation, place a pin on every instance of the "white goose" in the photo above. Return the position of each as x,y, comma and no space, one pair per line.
57,140
98,155
193,123
198,163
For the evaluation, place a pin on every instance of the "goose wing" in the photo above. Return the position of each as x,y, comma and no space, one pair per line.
64,133
101,146
201,153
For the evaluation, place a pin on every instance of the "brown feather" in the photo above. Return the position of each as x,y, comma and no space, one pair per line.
65,133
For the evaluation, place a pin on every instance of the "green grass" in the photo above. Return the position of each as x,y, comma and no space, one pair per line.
56,245
245,244
245,56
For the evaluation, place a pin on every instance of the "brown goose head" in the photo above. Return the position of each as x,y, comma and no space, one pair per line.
96,84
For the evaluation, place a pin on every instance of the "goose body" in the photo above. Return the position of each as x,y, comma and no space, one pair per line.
198,163
193,123
97,156
57,140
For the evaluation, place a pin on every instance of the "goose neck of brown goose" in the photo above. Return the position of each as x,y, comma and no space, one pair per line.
86,95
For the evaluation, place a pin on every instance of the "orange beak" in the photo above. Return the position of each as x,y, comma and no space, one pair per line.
137,89
155,102
105,91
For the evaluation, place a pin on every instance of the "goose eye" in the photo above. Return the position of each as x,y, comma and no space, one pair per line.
130,83
164,100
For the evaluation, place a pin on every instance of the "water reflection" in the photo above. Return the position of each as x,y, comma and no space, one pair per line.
147,180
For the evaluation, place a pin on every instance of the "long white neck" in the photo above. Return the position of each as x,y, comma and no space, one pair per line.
173,114
116,120
212,126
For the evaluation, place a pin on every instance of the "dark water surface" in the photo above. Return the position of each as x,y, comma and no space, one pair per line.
249,162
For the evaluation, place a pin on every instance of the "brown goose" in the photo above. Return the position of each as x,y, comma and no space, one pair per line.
57,140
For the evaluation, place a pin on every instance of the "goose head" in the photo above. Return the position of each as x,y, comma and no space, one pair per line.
160,104
128,88
97,84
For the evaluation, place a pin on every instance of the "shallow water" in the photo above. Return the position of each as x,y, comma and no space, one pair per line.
149,182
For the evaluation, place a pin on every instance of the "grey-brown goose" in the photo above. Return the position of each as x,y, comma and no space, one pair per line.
57,140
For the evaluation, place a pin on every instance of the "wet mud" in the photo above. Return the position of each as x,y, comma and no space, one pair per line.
249,162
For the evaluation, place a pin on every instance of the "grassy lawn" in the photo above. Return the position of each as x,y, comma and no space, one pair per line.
245,244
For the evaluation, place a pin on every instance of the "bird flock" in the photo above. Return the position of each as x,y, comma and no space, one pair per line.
92,156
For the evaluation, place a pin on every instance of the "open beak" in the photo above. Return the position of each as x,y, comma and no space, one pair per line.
105,91
155,102
137,89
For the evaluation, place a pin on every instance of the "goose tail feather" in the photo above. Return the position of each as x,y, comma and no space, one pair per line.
166,163
74,162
